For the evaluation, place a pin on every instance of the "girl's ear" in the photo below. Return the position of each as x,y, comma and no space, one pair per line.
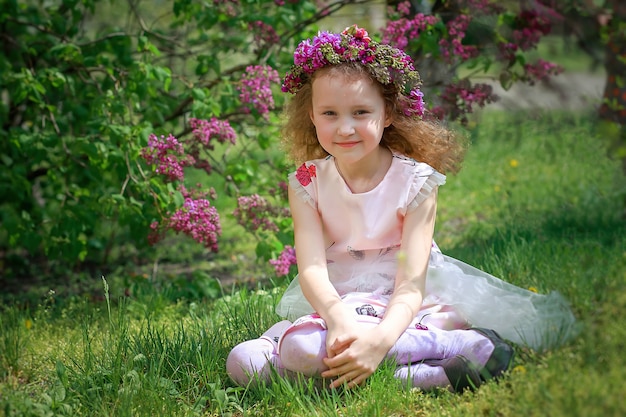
388,120
388,115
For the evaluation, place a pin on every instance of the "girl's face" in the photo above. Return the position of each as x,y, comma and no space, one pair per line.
349,115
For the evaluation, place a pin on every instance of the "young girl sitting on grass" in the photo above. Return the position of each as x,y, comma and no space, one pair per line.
372,284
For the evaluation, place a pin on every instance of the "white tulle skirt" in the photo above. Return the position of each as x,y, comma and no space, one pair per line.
461,296
539,321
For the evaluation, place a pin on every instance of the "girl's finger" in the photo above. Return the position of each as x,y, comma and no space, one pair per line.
339,363
341,344
350,379
336,371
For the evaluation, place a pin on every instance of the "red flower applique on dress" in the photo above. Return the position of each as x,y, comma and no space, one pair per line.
304,174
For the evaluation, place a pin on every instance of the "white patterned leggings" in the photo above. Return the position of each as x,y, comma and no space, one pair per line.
288,349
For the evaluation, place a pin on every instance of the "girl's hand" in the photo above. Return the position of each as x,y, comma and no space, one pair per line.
341,324
356,355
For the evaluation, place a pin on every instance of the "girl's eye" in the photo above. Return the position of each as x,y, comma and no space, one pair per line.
361,112
329,113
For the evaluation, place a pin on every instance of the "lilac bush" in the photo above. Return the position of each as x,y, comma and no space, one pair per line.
108,125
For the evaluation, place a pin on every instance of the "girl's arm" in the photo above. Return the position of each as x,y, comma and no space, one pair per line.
410,285
360,353
312,270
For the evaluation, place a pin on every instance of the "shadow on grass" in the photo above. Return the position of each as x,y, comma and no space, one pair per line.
579,251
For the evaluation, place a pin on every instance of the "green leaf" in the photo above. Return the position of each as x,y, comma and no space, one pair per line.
119,198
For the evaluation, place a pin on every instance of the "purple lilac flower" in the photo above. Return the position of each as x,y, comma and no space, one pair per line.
541,70
507,51
254,212
206,130
453,48
530,26
398,33
199,220
254,88
227,6
264,34
459,99
283,263
168,155
404,8
416,106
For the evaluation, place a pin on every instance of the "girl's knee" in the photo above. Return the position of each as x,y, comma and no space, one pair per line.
248,359
302,350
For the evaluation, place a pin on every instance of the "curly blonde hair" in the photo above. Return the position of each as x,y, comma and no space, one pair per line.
423,140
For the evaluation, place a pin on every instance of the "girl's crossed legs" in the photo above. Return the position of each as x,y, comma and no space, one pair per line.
426,358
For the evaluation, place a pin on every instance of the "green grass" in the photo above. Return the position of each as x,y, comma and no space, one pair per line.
538,203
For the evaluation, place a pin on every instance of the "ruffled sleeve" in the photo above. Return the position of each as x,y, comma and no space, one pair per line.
425,180
304,183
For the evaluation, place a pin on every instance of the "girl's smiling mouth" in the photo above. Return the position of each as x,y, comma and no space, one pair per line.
347,144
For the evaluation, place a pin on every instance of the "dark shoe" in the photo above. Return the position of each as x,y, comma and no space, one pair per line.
500,359
460,371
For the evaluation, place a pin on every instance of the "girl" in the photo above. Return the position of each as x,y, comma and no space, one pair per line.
372,284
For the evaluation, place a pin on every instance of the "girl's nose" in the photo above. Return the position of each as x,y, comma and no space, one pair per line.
345,128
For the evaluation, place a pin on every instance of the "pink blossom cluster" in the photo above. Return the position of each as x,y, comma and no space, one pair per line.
155,233
227,6
206,130
264,34
281,191
459,99
415,105
254,212
453,48
530,26
198,220
404,8
255,88
507,52
168,154
283,263
398,32
541,70
197,192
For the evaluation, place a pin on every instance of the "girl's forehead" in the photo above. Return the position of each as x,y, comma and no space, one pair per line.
335,90
342,71
357,81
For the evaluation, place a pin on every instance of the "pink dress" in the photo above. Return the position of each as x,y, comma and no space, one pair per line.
363,233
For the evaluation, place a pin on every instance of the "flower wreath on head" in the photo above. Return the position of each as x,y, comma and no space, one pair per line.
388,65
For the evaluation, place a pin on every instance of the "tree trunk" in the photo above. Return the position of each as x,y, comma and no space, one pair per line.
613,108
